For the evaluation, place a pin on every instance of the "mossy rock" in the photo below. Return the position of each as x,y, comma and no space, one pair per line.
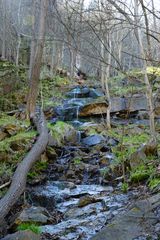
62,134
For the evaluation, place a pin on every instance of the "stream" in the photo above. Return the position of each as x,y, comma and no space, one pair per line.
76,189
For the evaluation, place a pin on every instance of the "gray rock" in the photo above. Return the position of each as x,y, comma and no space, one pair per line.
22,235
79,92
94,93
93,140
131,104
34,214
139,220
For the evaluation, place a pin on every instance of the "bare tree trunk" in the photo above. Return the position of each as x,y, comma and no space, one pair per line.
33,41
154,17
19,34
4,30
35,72
106,83
72,62
20,176
149,52
102,65
149,93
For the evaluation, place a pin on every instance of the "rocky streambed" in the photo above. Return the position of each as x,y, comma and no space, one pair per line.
82,197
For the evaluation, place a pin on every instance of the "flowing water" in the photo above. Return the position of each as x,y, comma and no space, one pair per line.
85,204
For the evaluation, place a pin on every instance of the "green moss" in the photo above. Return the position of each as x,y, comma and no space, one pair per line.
153,183
29,226
77,160
142,172
20,137
5,169
38,168
6,119
124,187
59,131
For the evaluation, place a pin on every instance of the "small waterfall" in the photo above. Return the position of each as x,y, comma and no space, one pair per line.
77,113
78,136
75,92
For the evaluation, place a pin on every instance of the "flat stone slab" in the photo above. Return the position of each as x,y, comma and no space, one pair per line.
139,220
133,103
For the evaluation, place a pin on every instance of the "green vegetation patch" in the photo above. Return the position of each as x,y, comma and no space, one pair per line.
154,182
140,173
61,132
29,226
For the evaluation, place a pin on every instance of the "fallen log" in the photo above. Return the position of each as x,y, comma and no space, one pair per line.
19,178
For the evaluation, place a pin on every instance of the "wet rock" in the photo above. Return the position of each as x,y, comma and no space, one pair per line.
22,235
83,201
97,107
95,93
93,140
79,92
129,225
67,113
33,214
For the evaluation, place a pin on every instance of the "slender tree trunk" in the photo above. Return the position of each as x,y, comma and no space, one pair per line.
33,40
106,82
149,52
149,93
35,72
4,30
19,35
102,65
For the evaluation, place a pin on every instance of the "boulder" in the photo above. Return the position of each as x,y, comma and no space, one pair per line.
95,108
79,92
95,93
93,140
33,214
62,134
85,200
131,103
22,235
138,157
129,225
